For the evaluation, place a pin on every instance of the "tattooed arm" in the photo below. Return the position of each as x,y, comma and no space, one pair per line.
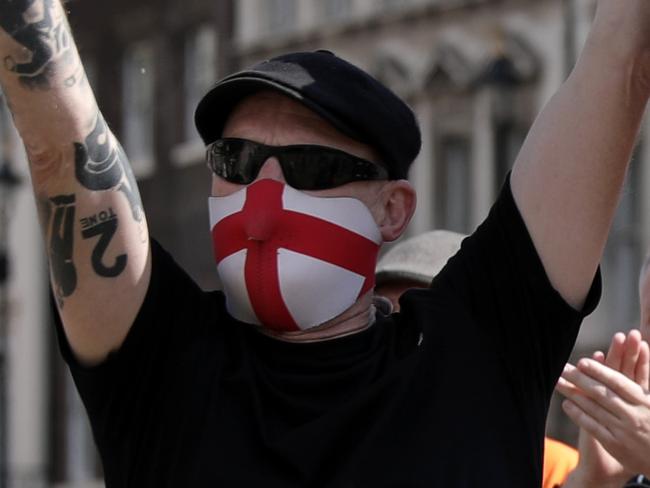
90,209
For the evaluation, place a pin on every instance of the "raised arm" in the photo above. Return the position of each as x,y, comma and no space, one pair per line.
93,222
567,178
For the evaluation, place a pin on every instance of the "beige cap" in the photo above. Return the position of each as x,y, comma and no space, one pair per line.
418,258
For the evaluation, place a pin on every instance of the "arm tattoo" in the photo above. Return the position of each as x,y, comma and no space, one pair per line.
41,28
64,272
104,225
100,164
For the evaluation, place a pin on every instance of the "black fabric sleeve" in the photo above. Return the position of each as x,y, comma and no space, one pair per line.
499,279
121,391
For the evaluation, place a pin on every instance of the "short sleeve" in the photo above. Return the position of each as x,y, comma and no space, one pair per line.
498,279
121,390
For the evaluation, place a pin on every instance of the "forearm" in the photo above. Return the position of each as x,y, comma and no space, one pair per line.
92,217
568,176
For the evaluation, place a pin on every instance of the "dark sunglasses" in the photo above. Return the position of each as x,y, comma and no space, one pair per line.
304,166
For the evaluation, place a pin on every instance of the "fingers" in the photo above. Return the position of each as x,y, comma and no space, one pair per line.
577,385
615,390
632,354
615,352
601,383
599,356
585,421
612,407
567,388
631,350
642,371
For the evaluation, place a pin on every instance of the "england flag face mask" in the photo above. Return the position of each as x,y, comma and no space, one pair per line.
290,261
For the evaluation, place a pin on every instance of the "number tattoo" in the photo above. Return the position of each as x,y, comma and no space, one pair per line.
104,225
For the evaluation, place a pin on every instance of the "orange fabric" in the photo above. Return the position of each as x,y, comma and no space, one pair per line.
559,461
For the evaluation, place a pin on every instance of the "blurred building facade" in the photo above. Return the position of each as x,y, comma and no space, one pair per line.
475,71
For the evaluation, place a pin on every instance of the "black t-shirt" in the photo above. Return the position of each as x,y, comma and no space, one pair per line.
451,392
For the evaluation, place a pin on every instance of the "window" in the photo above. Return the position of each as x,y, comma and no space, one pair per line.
138,117
394,4
200,71
508,139
337,9
281,15
453,183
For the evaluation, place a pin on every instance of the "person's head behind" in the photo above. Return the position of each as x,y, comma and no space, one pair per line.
414,262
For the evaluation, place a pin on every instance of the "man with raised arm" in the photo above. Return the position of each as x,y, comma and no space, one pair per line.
288,377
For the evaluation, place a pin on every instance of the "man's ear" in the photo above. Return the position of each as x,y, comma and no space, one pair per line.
399,201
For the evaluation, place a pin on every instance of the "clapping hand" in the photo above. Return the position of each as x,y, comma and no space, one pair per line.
607,396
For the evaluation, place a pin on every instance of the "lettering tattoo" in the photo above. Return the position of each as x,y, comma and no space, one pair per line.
41,28
64,272
104,225
101,164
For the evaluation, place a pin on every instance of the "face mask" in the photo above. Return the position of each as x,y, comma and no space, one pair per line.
288,260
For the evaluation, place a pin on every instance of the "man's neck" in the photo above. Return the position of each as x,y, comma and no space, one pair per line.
358,317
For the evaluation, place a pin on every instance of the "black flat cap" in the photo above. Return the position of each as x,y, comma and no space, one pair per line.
344,95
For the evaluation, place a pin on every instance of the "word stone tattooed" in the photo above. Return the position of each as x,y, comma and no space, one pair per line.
41,28
100,164
104,225
64,273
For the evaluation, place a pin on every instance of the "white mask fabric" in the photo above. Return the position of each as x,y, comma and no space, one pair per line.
288,260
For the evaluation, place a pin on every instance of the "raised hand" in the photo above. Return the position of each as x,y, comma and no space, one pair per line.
40,27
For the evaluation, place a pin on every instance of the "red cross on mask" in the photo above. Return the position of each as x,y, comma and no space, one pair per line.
288,260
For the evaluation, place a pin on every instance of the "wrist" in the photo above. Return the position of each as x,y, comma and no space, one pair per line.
582,478
623,67
619,43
